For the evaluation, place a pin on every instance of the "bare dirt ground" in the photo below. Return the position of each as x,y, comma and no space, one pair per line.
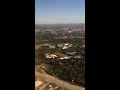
44,76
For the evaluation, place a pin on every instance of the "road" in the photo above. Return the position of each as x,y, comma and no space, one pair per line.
58,82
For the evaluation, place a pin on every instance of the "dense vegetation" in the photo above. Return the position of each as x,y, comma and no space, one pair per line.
71,70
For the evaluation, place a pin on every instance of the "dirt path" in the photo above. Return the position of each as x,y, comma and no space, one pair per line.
58,82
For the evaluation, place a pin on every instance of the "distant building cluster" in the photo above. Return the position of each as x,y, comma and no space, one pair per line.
63,56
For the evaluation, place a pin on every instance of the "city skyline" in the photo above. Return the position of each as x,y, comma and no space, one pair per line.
59,11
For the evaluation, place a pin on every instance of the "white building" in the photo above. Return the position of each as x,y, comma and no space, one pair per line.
51,56
66,57
67,45
83,45
77,56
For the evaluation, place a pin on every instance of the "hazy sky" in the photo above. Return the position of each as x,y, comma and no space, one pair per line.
59,11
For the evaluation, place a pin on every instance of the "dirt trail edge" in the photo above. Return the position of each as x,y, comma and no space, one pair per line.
58,82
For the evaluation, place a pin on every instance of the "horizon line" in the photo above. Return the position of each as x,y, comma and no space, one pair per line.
60,23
